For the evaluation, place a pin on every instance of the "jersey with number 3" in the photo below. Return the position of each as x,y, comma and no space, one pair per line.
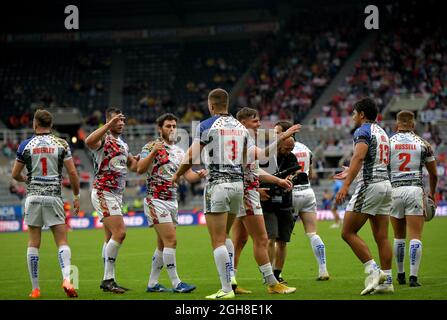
409,153
44,156
375,164
223,138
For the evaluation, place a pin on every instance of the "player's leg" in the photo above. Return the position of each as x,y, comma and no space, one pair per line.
310,228
229,243
156,267
240,238
107,237
255,226
334,211
166,231
217,226
415,225
115,224
34,220
399,229
271,226
32,258
352,223
64,257
379,225
397,218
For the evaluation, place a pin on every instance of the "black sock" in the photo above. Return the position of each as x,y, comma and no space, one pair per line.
277,273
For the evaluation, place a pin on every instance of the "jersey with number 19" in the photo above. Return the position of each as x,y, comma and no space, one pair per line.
409,154
43,156
224,139
373,190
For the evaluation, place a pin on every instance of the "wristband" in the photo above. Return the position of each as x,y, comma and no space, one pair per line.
76,197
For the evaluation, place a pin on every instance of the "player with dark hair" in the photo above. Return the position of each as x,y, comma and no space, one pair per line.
44,155
112,160
409,154
372,197
160,159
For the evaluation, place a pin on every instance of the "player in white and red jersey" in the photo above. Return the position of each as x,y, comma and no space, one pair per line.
224,142
305,203
160,159
372,197
111,160
44,156
409,154
250,220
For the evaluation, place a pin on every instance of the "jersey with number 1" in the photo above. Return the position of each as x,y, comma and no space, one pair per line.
44,156
375,164
409,153
223,138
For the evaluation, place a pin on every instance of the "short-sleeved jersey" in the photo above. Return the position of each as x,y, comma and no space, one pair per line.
251,172
165,164
223,138
304,157
408,156
375,164
110,162
44,156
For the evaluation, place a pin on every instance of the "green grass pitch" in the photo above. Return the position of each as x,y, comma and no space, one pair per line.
196,265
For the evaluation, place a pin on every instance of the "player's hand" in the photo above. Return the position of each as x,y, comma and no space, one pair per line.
137,157
115,119
76,207
341,195
202,173
431,196
263,194
291,131
157,146
342,175
286,184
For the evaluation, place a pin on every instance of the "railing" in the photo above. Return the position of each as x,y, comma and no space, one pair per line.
22,134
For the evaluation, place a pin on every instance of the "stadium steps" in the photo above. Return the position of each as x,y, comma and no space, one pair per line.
332,88
116,80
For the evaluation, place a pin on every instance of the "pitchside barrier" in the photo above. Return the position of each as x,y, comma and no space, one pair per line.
11,219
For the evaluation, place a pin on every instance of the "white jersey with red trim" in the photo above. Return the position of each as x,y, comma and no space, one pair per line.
303,156
408,156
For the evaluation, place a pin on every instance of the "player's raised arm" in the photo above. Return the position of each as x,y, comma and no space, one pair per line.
264,154
74,181
360,151
94,140
147,156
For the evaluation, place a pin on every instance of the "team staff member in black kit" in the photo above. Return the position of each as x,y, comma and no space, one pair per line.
277,208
